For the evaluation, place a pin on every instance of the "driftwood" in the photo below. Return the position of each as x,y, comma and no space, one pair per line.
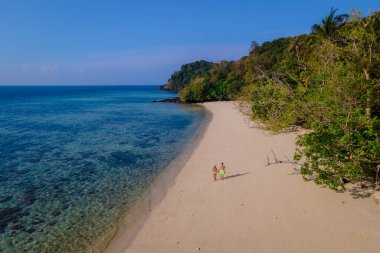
278,161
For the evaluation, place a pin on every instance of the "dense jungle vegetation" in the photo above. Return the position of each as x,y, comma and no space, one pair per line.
327,81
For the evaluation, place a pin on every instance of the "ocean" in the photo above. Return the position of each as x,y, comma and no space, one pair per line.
74,159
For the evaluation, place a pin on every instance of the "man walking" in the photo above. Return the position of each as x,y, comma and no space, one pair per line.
222,171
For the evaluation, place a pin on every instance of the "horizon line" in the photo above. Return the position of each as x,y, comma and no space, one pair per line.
57,85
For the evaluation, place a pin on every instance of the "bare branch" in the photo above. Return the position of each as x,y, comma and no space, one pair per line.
262,72
277,161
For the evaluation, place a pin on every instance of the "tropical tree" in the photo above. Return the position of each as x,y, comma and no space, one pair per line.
329,24
327,81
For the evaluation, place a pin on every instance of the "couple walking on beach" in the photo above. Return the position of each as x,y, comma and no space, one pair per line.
221,171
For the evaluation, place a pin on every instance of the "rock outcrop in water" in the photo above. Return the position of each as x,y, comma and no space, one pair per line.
176,100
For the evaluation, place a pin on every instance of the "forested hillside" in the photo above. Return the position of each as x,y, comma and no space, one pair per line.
327,81
182,78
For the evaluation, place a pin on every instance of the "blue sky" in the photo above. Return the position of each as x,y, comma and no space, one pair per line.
58,42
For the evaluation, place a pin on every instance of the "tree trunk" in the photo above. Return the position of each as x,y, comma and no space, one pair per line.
297,52
368,109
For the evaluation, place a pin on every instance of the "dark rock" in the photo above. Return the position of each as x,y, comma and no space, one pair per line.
51,223
22,214
17,227
163,88
65,206
176,100
56,212
36,222
5,199
30,199
29,196
9,211
8,215
30,230
58,193
166,87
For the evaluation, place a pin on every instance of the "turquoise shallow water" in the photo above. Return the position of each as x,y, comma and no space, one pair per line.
73,159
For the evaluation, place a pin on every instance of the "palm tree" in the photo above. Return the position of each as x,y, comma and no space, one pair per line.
329,24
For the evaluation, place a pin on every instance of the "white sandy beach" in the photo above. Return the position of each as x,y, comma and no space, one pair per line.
257,208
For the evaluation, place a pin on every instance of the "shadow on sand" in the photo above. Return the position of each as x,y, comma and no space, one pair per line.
361,192
236,175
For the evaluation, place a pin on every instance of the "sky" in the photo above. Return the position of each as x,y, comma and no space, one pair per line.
115,42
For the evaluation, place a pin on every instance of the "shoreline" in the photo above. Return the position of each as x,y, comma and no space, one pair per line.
257,208
126,230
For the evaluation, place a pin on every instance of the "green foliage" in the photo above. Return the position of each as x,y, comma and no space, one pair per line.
333,153
188,72
330,85
195,92
330,24
273,104
263,58
223,81
327,81
344,142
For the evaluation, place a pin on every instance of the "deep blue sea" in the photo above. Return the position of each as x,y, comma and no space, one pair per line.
73,159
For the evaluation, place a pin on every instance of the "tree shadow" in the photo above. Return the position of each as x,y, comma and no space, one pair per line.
360,192
236,175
